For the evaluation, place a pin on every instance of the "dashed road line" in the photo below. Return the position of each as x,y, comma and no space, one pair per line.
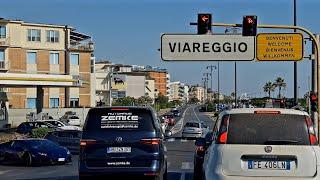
186,165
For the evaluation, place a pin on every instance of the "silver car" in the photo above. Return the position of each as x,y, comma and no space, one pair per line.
260,144
194,130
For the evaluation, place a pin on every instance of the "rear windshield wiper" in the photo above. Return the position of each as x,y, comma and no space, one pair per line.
280,142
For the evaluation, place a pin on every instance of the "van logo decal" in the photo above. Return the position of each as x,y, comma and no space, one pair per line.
118,139
268,149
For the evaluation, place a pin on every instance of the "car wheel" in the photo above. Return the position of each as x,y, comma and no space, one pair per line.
27,158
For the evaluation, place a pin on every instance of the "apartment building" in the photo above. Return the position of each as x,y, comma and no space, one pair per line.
35,48
178,92
162,79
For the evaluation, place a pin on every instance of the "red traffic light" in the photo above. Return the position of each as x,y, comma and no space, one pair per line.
313,97
250,20
204,18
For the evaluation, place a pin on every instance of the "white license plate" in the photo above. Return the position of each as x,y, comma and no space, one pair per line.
61,159
272,165
119,150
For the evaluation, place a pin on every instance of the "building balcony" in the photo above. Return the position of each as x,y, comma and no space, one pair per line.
4,65
82,46
4,41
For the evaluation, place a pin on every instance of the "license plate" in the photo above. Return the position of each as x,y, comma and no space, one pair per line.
272,165
61,159
119,150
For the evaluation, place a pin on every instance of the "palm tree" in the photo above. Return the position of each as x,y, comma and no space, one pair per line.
268,87
280,84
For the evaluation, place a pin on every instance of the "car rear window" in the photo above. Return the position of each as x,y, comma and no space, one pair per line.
112,120
196,125
260,129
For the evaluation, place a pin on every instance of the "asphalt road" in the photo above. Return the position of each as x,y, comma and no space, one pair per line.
180,156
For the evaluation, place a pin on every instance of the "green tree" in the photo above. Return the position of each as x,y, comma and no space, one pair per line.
268,88
143,100
126,101
279,83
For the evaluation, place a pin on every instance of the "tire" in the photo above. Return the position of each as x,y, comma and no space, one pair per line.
27,158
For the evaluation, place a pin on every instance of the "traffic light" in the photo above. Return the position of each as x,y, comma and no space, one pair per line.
313,101
204,23
249,26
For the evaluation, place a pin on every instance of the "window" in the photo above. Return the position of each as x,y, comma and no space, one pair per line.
54,102
34,35
74,59
3,32
74,102
31,57
1,55
52,36
54,58
31,103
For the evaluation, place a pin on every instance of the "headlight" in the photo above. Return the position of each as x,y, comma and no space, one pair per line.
42,154
68,152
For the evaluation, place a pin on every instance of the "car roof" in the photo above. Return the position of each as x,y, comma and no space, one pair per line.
252,111
128,107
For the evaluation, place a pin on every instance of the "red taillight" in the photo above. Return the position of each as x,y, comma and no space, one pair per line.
223,138
312,137
86,142
153,141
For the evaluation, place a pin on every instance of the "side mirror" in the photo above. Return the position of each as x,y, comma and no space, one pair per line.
168,133
200,142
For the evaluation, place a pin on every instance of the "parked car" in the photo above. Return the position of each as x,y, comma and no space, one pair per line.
194,130
270,143
132,146
26,127
33,152
74,120
170,119
67,138
62,125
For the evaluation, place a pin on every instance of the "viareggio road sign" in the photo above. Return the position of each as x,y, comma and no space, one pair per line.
218,47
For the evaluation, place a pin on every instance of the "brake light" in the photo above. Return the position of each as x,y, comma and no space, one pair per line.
267,112
222,139
119,109
153,141
312,137
86,142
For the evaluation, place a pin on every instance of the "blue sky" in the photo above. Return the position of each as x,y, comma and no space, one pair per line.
128,31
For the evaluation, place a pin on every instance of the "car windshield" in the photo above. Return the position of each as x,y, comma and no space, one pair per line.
267,129
196,125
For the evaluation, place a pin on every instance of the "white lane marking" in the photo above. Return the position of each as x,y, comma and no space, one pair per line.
180,123
187,165
195,114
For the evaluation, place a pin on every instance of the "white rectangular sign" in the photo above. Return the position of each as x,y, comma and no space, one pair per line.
218,47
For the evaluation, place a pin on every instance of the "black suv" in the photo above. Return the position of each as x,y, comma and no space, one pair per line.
119,141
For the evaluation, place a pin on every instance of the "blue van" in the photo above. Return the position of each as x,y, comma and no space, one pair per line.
122,141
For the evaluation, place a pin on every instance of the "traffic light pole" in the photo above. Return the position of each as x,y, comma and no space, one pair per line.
312,37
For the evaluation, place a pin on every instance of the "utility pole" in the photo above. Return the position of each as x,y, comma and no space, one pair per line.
218,83
314,82
295,80
235,84
206,80
211,67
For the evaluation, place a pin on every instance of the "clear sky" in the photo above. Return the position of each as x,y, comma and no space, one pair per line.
128,31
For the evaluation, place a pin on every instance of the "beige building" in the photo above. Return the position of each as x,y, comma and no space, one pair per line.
34,48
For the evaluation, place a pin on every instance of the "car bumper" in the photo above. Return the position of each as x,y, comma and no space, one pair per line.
155,170
191,135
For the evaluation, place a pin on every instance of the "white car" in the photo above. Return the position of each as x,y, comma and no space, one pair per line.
62,125
73,120
194,130
264,144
